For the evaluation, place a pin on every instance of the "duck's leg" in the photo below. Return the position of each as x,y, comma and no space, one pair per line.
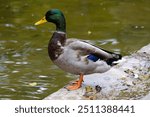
77,84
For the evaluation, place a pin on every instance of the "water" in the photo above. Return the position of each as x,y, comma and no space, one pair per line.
25,69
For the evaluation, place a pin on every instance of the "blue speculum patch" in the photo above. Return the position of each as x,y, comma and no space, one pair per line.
92,57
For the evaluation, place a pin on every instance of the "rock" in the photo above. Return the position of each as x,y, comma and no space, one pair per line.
129,79
147,97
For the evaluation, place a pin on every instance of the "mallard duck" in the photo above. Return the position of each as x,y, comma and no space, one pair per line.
73,55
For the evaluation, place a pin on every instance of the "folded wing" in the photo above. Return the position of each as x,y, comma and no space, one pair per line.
95,53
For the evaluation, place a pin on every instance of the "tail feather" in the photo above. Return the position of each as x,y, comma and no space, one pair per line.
115,57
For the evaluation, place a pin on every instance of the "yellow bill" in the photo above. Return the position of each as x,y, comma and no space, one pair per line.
43,20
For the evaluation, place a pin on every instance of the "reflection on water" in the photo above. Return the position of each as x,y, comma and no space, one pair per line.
25,69
19,67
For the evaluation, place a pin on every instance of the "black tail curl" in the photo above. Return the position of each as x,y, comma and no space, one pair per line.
115,57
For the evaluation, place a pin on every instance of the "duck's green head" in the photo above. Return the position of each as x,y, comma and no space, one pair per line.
55,16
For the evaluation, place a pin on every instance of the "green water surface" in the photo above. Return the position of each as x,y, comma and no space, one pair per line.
26,72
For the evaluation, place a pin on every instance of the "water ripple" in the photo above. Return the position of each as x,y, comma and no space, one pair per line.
9,25
9,62
42,76
112,41
30,28
22,63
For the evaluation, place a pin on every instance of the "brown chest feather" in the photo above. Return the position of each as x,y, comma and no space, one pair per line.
56,43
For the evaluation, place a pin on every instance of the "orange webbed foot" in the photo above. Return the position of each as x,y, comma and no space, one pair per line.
73,87
77,84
